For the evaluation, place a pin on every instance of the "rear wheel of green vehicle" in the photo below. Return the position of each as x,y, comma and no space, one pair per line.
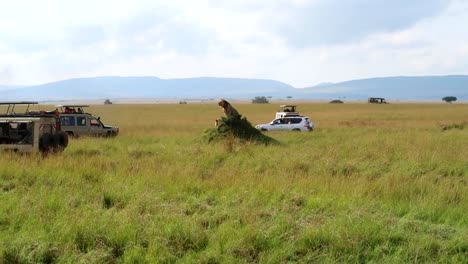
62,140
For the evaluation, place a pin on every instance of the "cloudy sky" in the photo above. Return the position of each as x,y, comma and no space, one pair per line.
300,42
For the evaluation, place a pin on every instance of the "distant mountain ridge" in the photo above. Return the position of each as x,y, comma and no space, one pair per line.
149,87
399,87
115,87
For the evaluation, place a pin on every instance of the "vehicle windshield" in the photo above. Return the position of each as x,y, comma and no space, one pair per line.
96,122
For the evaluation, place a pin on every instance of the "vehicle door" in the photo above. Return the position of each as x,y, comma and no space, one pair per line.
278,124
82,126
295,123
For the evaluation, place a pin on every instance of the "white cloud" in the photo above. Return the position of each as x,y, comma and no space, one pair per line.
299,42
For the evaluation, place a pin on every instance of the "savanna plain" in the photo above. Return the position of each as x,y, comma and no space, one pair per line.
372,183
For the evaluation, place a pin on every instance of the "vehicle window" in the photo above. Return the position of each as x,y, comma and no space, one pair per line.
81,121
94,122
295,120
67,120
278,121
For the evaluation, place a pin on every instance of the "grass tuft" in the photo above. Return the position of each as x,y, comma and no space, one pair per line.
450,126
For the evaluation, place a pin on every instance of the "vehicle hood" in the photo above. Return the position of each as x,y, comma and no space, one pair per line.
262,125
111,127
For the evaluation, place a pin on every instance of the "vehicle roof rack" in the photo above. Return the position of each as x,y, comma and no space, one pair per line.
19,103
77,105
11,106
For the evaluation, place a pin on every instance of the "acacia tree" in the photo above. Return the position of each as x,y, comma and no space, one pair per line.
260,100
449,99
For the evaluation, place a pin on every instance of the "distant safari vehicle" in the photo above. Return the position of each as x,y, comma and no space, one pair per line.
75,122
376,100
287,110
31,131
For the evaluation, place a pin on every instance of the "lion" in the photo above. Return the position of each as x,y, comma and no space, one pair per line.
229,110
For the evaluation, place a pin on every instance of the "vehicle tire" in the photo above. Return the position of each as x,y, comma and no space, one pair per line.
263,129
46,143
62,140
296,129
70,134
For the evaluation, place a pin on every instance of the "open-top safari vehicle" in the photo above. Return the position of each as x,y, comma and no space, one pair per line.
76,122
29,130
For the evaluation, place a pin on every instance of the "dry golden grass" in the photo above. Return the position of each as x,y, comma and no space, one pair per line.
372,183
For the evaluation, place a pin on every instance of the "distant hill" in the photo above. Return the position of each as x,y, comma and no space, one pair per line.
150,87
401,88
113,87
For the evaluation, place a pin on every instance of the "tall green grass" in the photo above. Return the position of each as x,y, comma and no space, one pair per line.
370,184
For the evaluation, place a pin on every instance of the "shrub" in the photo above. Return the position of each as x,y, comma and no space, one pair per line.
449,99
239,128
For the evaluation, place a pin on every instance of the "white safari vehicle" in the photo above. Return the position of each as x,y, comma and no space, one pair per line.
30,131
76,122
288,119
291,123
